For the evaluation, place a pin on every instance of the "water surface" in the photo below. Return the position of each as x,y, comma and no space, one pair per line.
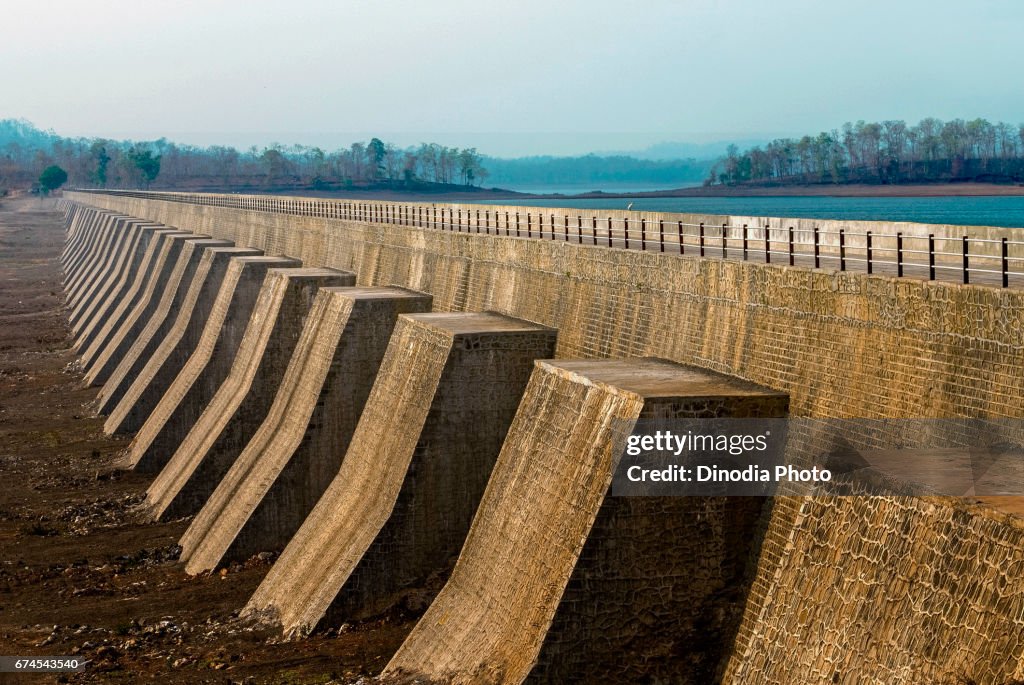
969,211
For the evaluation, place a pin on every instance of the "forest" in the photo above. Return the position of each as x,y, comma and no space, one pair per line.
25,151
889,152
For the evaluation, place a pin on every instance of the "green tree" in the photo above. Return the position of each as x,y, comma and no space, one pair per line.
53,177
102,159
146,162
275,162
376,151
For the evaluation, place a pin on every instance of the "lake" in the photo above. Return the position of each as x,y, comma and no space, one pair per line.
969,211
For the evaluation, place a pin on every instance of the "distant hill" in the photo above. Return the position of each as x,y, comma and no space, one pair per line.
680,150
21,133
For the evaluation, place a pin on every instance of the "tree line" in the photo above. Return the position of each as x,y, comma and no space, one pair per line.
25,152
882,152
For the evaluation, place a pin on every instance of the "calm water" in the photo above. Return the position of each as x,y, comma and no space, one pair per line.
580,188
971,211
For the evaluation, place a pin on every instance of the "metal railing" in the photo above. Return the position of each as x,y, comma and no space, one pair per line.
959,258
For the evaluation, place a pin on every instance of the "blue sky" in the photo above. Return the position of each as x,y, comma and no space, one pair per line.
509,78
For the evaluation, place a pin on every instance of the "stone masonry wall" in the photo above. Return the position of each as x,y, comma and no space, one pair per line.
832,602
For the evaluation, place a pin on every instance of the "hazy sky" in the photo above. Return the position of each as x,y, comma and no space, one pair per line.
557,76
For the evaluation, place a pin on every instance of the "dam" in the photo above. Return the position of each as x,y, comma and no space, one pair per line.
422,405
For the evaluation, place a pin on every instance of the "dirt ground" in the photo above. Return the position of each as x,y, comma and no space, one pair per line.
81,572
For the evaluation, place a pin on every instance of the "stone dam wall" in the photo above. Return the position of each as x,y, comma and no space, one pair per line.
830,590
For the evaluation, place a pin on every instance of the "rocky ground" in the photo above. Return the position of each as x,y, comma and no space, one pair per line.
81,572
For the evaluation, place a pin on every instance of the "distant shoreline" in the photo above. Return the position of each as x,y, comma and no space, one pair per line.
858,190
853,190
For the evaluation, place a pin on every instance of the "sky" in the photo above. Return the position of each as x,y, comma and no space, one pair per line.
509,78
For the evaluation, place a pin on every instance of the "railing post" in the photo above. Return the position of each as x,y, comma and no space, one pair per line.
625,230
702,239
594,229
643,234
579,229
566,228
867,249
899,253
744,242
529,224
842,249
931,256
517,224
725,238
967,263
682,242
552,226
1006,263
661,235
791,247
767,244
817,249
609,231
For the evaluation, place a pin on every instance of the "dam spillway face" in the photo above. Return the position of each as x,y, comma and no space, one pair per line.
99,348
397,511
96,260
173,349
559,581
101,293
315,410
97,288
157,323
459,463
76,251
182,403
168,271
883,590
241,402
95,318
439,371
